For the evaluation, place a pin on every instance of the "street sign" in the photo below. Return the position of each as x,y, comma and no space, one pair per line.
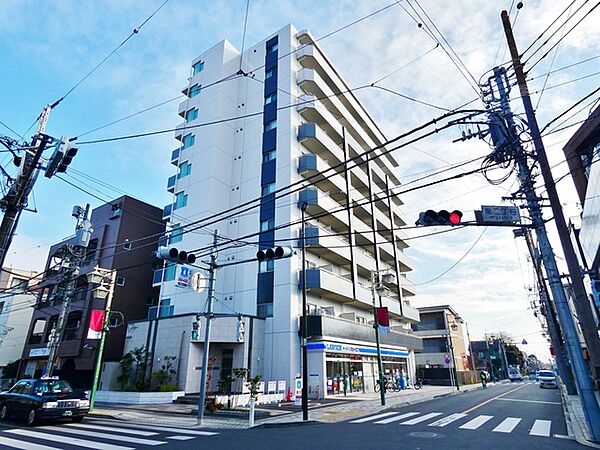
500,214
298,392
198,281
183,276
446,358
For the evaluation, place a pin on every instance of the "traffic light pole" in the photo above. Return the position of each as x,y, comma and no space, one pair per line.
582,376
305,321
374,280
209,310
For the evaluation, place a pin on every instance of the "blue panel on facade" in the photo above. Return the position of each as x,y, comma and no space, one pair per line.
271,60
267,207
313,279
308,196
269,140
307,130
266,239
306,163
264,291
311,235
270,112
267,175
271,84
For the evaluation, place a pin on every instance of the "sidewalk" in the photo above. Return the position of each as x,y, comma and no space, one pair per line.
361,404
575,418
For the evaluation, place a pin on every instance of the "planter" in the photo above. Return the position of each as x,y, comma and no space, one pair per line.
137,398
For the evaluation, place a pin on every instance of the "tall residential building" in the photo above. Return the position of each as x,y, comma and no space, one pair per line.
125,234
284,119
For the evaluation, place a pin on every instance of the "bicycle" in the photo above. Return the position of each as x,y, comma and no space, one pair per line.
419,384
388,386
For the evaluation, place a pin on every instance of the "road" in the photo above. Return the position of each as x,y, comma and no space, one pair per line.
508,416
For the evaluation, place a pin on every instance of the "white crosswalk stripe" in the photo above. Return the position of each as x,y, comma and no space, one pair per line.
476,422
13,443
114,429
507,425
378,416
66,440
112,436
397,417
541,428
421,419
160,428
447,420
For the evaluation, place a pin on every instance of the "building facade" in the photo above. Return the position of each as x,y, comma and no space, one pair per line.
125,232
286,119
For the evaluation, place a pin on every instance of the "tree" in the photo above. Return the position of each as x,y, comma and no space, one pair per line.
133,365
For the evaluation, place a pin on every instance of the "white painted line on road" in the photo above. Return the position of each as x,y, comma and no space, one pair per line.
507,425
564,436
25,445
398,417
541,428
476,422
447,420
421,419
528,401
68,440
180,438
112,437
162,428
117,430
378,416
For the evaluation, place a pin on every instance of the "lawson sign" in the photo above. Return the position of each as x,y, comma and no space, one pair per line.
335,347
183,276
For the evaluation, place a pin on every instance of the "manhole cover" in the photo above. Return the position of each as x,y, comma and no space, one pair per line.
423,434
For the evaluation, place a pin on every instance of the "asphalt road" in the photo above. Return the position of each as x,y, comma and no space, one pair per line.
511,416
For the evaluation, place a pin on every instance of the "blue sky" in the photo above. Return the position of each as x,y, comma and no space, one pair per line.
47,47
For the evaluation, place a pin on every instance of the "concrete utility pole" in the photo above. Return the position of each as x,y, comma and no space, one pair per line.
375,281
71,259
581,301
15,200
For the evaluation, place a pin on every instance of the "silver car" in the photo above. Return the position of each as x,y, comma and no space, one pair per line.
547,378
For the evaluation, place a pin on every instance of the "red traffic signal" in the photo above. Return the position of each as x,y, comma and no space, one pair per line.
443,217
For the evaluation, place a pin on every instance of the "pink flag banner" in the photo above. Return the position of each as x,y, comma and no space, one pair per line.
96,324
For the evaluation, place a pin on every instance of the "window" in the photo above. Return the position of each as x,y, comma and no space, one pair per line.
195,90
116,211
264,310
191,115
272,48
270,125
18,284
180,200
267,225
184,169
198,67
176,234
90,252
72,326
269,73
37,332
268,189
270,99
266,266
169,272
188,140
120,281
51,325
23,388
269,156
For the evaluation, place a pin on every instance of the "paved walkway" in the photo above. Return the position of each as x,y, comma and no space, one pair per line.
576,423
361,404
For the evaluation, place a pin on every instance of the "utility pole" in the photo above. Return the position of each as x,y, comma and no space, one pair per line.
208,318
72,256
375,280
15,200
510,135
452,367
303,208
471,353
581,301
561,359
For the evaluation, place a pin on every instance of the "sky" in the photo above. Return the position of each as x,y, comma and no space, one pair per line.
46,48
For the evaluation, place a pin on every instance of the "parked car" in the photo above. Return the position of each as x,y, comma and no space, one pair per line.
547,378
34,400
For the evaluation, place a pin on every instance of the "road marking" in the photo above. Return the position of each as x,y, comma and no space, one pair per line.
112,437
165,429
529,401
541,428
493,398
564,436
67,440
180,438
398,417
447,420
25,445
118,430
475,423
378,416
421,419
507,425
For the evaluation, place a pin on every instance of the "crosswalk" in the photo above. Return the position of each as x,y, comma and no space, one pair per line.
463,421
100,434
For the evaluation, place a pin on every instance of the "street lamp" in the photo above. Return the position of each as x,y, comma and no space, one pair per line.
452,368
303,208
377,285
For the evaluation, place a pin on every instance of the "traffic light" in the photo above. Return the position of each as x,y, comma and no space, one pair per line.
173,254
274,253
61,158
195,328
443,217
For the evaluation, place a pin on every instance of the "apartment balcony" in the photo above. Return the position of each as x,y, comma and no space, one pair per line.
310,165
167,210
330,212
171,184
312,110
316,141
175,156
331,248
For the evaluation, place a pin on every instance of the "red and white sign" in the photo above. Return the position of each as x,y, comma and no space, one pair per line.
96,324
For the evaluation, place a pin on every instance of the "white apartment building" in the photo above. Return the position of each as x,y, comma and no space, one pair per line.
284,119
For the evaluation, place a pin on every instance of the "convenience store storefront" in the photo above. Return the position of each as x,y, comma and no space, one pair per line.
338,367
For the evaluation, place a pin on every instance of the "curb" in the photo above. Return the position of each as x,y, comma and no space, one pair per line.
573,427
287,424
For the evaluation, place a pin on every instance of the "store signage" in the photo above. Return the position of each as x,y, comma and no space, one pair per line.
44,351
272,386
352,349
298,392
183,276
281,386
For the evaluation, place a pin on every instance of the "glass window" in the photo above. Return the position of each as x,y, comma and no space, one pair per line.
266,266
269,156
52,387
269,73
38,331
72,326
267,225
169,273
268,189
176,234
271,125
264,309
180,200
270,99
188,140
195,90
191,115
184,169
198,67
272,48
